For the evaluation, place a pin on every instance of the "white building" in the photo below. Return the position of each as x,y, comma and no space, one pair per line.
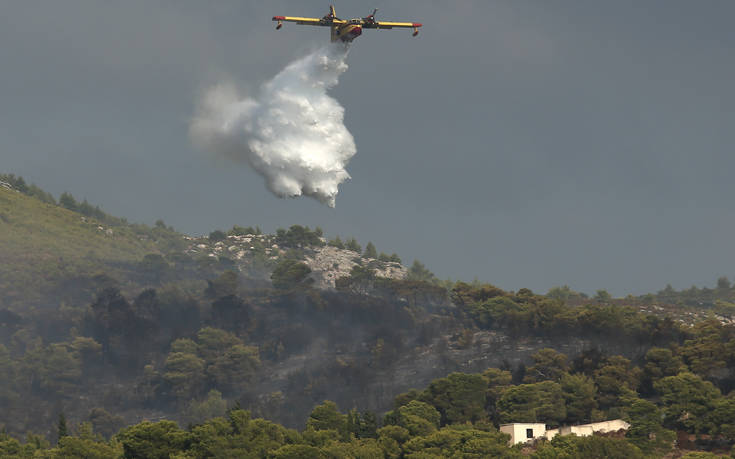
523,432
586,430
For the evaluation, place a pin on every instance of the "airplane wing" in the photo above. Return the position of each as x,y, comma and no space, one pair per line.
390,25
308,21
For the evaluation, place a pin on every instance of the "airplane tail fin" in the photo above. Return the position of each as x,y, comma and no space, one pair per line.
333,15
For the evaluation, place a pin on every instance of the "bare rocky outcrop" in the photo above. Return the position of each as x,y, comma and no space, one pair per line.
330,263
327,263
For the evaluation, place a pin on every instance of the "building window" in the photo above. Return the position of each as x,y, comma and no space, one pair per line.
529,433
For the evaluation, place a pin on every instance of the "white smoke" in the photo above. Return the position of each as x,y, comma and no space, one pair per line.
292,133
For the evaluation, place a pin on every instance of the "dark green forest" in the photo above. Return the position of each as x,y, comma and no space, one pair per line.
144,342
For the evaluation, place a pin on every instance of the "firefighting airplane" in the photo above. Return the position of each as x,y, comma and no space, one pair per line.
346,30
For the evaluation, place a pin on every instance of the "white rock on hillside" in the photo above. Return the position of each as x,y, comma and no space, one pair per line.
330,263
327,263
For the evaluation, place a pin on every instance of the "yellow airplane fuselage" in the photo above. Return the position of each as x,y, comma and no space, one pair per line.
347,30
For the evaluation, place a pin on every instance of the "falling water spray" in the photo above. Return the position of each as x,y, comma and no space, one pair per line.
292,132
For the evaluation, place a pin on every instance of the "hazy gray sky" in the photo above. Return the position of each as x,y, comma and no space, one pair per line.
525,143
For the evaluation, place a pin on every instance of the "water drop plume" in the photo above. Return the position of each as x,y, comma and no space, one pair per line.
291,132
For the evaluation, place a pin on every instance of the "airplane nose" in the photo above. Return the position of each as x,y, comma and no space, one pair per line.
356,31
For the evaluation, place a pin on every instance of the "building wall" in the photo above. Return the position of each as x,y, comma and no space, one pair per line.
586,430
610,426
518,431
581,431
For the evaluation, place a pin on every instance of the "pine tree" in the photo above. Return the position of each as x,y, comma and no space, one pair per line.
353,245
352,418
418,272
368,425
67,201
337,242
61,428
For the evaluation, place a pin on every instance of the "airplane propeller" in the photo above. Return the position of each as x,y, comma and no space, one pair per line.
372,16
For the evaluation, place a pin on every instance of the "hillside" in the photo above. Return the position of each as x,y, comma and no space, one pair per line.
113,323
44,245
52,254
48,250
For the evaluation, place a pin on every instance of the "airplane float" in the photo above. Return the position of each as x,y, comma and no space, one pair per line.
346,30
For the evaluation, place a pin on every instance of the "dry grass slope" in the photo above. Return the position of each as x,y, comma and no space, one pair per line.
41,244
